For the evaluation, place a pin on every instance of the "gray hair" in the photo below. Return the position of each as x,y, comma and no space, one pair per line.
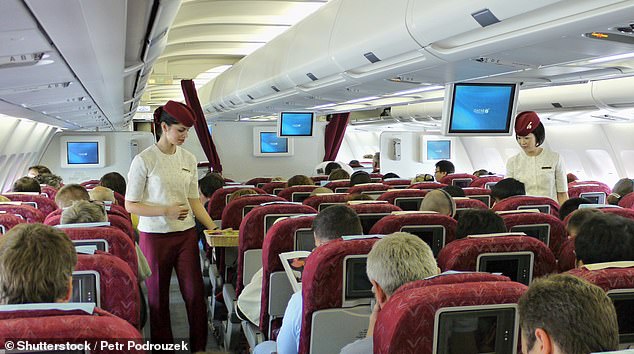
400,258
83,212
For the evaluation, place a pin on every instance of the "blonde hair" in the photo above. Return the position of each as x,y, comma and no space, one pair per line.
83,212
70,193
320,190
102,194
241,192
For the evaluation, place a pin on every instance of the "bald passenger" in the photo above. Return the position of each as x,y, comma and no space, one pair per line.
102,194
439,201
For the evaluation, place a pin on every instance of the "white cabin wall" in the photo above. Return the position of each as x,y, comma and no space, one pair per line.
118,155
234,142
357,143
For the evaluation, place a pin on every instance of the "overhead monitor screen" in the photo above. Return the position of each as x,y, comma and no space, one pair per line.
296,124
438,149
270,143
82,152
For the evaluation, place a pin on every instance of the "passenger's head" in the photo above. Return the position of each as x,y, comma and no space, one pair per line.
338,174
299,180
529,131
36,264
37,170
83,212
482,172
26,184
172,122
565,314
208,185
439,201
358,196
359,177
443,168
334,222
390,175
241,192
425,177
507,187
320,190
114,181
69,194
454,191
578,218
605,238
49,179
397,259
623,187
102,194
571,205
376,161
331,166
355,163
4,199
479,222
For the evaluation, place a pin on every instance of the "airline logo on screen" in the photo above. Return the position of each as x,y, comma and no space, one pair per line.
482,110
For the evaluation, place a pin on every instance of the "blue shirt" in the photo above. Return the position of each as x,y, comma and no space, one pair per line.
288,338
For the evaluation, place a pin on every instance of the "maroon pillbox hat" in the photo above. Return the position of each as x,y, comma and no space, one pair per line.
526,123
183,114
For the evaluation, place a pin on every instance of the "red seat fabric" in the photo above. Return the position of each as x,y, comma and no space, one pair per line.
367,187
120,199
232,214
448,179
373,208
624,212
427,185
8,221
627,201
119,288
481,182
287,193
115,221
76,326
466,203
272,186
603,185
390,196
334,185
43,204
462,254
376,175
90,183
251,235
49,192
394,223
453,278
257,181
575,190
318,179
278,240
608,278
392,182
322,281
567,259
406,322
512,203
473,192
218,200
557,229
119,243
316,200
27,212
118,209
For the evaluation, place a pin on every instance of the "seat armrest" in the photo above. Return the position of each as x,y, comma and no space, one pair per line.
229,295
252,333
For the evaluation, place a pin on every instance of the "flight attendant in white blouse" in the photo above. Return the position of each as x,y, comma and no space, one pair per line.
541,170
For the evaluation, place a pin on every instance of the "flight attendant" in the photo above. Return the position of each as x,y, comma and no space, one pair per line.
163,190
541,170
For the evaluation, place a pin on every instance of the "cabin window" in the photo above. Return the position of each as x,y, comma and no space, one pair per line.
602,166
627,158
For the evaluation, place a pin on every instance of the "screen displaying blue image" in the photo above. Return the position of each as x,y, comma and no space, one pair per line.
82,153
271,143
438,149
296,124
482,108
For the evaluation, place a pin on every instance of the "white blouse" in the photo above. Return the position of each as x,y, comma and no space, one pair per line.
543,175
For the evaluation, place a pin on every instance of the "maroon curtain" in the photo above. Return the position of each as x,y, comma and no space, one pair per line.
207,143
335,130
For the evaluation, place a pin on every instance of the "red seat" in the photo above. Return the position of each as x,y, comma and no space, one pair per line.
556,229
43,204
218,200
463,254
258,181
375,189
8,221
406,199
524,202
453,278
119,244
376,175
49,192
397,182
340,186
481,194
118,209
316,200
318,179
624,212
458,179
370,213
627,201
90,183
406,322
27,212
251,235
589,190
287,193
467,203
279,239
66,326
605,186
118,285
115,221
607,278
483,182
232,214
567,259
120,199
323,294
427,185
273,187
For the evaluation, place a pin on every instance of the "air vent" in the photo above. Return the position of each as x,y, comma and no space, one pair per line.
232,103
275,89
250,97
371,57
557,105
312,77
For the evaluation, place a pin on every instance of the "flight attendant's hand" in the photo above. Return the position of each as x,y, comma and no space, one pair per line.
176,212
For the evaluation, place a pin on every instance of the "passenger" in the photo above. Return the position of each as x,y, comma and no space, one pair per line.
4,199
26,184
359,177
454,191
208,185
241,192
299,180
36,265
443,168
565,314
83,212
605,238
479,222
102,194
69,194
505,188
376,162
622,188
541,170
395,260
355,164
482,173
578,218
439,201
390,175
114,181
571,205
358,196
338,174
278,179
330,224
320,190
163,190
426,177
331,166
33,171
50,180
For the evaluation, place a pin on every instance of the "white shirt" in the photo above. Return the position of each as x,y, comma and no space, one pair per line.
543,175
249,301
159,179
